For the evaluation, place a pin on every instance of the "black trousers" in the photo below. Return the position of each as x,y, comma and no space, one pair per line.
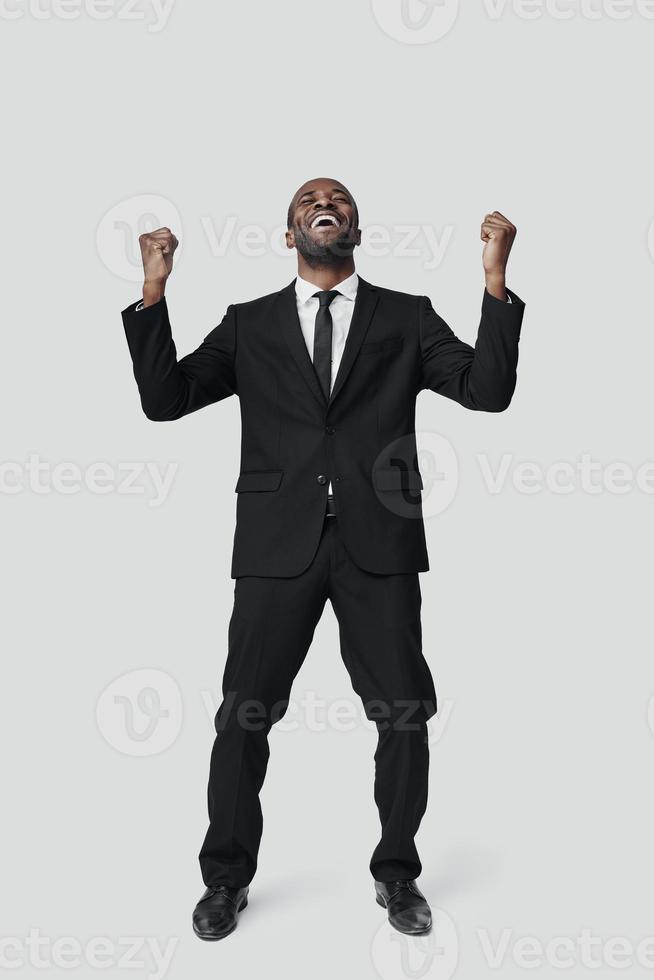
270,632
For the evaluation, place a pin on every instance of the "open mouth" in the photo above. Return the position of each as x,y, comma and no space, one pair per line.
325,220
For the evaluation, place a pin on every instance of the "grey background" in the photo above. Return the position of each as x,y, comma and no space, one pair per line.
537,614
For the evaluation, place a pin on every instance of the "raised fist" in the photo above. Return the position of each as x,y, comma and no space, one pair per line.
498,235
157,249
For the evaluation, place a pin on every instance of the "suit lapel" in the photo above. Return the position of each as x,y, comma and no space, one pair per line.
289,322
364,308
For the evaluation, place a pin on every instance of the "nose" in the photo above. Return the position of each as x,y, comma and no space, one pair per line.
321,204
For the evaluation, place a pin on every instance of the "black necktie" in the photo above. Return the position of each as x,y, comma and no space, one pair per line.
322,340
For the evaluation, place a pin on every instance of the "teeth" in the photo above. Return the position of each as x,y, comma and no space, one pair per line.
325,217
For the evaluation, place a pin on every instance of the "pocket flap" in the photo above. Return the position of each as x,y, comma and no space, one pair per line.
397,479
259,480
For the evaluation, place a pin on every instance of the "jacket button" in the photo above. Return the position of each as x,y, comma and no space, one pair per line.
321,480
330,430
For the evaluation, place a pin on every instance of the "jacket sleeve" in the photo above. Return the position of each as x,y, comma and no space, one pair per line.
169,388
482,377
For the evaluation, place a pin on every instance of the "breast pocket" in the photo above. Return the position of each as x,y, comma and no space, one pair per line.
388,345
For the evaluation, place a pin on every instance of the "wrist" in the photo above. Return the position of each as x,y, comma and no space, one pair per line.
496,284
153,291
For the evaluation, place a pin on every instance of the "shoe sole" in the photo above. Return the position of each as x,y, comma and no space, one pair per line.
215,939
405,932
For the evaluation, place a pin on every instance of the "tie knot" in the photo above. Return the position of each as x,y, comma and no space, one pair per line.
327,296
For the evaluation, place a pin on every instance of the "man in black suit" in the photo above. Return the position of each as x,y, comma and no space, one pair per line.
327,371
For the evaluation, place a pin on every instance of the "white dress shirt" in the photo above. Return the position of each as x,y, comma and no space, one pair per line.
341,309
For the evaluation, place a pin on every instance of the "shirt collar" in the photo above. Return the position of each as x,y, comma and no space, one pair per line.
348,288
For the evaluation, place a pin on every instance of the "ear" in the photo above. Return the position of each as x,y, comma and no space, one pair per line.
357,237
290,239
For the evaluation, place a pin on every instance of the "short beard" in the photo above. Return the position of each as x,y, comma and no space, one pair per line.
324,256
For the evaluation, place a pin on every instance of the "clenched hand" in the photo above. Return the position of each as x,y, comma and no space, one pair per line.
498,235
157,250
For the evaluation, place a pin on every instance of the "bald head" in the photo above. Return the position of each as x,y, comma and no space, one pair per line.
321,187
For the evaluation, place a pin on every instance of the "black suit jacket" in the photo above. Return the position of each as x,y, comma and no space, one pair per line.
294,441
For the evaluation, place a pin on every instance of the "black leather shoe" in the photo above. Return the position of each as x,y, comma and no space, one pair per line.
216,914
407,907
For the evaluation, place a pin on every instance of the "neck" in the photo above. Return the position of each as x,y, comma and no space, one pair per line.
325,277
